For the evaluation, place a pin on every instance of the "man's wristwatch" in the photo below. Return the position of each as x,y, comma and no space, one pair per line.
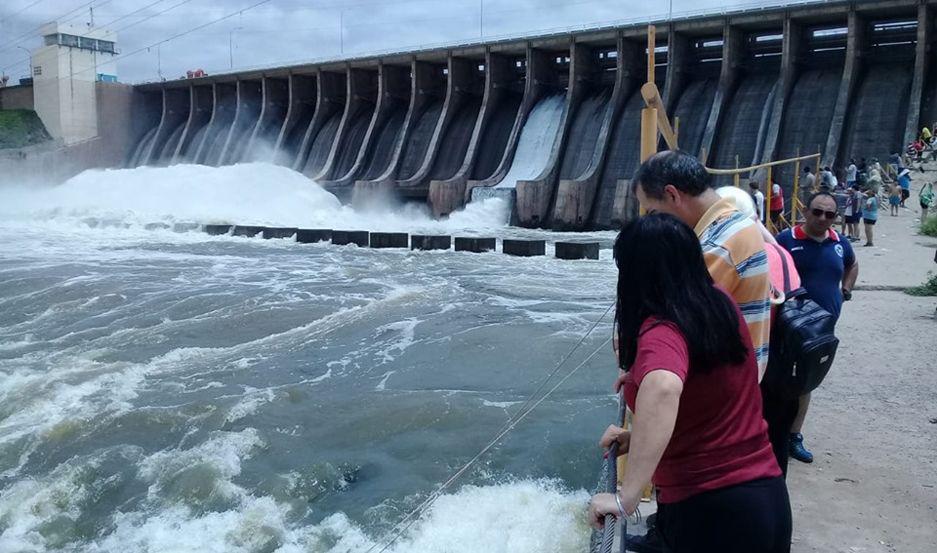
847,294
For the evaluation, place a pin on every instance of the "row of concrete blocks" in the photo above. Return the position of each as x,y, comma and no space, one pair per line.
364,239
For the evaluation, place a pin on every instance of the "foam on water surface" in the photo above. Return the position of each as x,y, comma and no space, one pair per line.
247,194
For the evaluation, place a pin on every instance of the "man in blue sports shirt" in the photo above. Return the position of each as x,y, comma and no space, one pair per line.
828,270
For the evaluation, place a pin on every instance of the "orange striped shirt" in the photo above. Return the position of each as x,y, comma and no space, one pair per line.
734,251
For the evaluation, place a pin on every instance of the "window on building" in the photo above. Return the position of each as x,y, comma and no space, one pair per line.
37,70
50,40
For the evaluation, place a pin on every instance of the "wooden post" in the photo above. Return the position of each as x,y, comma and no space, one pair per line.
676,133
735,176
794,193
648,133
651,57
767,208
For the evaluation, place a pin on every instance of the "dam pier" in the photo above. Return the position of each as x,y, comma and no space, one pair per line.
550,122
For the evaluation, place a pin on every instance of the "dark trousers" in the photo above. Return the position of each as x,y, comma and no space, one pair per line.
779,413
754,517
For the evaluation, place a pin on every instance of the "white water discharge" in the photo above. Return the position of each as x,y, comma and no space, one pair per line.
246,194
174,392
536,141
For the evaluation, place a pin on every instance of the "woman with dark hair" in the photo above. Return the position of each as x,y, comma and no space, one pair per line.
692,383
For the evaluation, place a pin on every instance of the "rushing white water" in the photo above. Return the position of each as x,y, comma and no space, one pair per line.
171,392
247,194
536,141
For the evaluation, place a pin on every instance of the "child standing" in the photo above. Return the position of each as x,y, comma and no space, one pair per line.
894,199
870,215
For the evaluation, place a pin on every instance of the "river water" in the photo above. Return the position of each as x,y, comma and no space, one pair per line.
171,391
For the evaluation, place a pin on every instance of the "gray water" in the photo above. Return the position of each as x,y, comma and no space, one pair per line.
164,391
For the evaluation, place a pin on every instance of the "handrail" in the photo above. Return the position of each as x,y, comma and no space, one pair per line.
739,170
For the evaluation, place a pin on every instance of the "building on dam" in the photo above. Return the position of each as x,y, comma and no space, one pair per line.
552,121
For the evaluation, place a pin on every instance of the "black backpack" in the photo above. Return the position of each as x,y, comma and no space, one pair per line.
802,344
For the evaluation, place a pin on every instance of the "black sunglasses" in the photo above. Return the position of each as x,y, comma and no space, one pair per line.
821,213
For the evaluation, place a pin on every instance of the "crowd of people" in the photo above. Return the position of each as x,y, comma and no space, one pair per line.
701,283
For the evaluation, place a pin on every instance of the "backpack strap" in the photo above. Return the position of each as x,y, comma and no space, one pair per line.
787,274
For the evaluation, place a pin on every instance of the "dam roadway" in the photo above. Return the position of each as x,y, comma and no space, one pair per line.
847,79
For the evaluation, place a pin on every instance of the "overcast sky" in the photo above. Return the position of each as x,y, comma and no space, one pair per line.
285,31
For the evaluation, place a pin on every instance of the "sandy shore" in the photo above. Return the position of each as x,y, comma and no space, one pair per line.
872,426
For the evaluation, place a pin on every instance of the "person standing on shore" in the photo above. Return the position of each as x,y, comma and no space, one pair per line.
926,199
904,181
870,216
852,173
828,270
777,205
698,431
759,200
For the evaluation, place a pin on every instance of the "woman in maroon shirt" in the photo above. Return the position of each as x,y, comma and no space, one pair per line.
692,381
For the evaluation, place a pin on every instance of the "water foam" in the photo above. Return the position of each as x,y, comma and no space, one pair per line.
248,194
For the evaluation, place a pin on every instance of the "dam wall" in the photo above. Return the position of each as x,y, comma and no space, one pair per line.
847,79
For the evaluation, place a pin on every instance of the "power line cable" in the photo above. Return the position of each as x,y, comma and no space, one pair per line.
31,33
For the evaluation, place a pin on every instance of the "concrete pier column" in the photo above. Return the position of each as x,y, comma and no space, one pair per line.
536,197
679,48
448,195
276,101
175,113
732,55
791,52
540,77
200,99
923,52
302,99
224,102
393,84
445,196
856,43
459,84
250,100
361,91
330,97
427,82
575,197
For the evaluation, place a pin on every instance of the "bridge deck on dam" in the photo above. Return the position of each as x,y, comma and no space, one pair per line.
847,79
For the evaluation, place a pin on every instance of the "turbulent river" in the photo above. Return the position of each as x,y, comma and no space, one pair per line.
172,391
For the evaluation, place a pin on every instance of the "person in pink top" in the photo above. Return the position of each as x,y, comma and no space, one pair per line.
779,412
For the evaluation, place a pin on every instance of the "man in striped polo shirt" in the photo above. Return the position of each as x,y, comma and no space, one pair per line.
675,182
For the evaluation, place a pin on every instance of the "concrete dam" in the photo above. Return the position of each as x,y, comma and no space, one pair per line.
553,121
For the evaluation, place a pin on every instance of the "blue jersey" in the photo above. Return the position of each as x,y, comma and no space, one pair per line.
821,265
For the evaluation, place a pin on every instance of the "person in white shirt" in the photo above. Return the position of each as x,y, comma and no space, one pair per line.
852,173
759,199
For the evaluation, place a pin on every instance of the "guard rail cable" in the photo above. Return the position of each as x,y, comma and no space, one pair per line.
526,408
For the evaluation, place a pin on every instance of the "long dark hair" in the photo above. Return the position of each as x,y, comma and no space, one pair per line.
662,276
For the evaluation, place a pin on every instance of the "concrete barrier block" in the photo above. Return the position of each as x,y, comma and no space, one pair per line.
524,248
577,250
247,230
389,239
430,242
217,230
474,245
313,235
345,237
156,226
279,232
185,227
